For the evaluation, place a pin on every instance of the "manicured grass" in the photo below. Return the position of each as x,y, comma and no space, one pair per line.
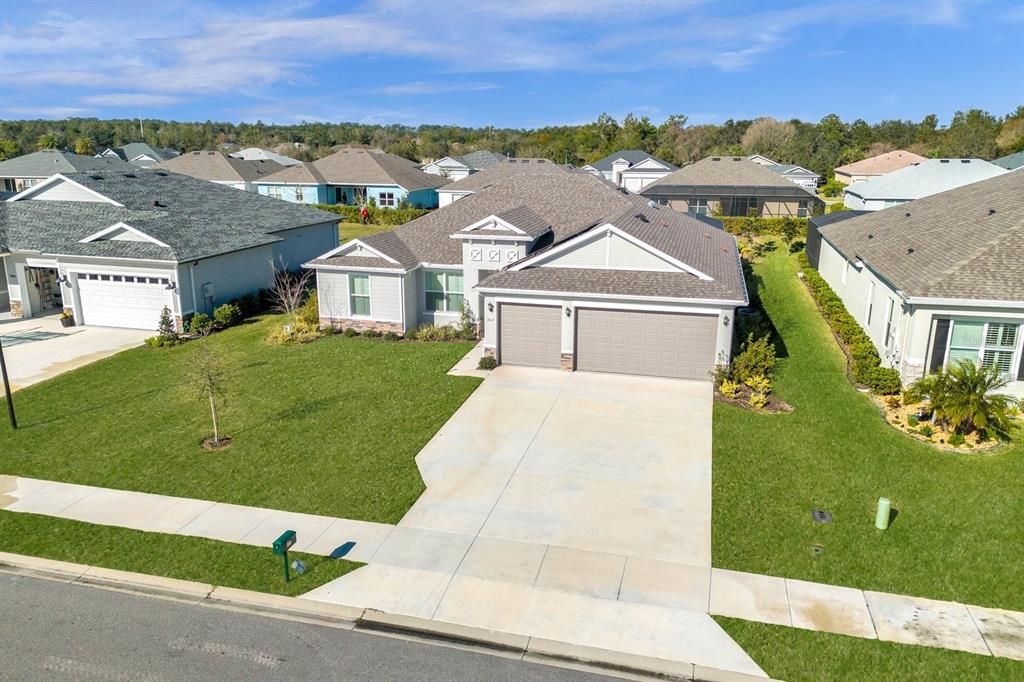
347,231
957,535
803,656
331,427
172,556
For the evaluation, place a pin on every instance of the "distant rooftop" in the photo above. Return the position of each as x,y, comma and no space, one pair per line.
924,179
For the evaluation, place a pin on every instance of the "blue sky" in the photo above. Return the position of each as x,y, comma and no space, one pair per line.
515,63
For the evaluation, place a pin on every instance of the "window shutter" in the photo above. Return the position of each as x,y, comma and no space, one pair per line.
939,343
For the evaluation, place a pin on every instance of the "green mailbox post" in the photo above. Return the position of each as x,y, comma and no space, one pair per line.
281,546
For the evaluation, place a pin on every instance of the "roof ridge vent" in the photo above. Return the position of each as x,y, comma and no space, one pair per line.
943,160
965,160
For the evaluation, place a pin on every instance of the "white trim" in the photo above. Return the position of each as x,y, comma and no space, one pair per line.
102,258
522,237
53,179
353,268
977,302
121,226
368,296
596,233
491,220
615,297
339,251
441,266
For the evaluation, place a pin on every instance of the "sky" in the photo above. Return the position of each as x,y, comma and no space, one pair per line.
511,63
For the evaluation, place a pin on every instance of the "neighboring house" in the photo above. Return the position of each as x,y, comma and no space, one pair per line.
812,246
630,169
938,279
355,177
874,166
139,154
799,175
458,167
914,182
1010,161
24,171
762,160
257,154
497,173
561,271
733,186
220,168
114,248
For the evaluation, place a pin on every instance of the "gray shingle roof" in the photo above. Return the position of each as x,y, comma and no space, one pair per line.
732,171
526,220
634,156
258,154
925,178
195,218
302,174
357,262
366,167
1010,161
963,243
218,167
43,164
503,170
481,159
784,168
615,282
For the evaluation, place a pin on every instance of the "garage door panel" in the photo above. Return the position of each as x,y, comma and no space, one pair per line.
530,335
132,302
648,343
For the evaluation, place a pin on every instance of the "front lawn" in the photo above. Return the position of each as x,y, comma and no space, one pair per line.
957,535
331,427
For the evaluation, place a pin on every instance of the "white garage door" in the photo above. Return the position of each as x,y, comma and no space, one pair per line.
530,335
654,344
127,301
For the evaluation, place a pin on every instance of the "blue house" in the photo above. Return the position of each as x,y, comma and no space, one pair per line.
355,177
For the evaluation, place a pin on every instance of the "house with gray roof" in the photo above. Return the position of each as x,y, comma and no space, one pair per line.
560,270
733,186
257,154
221,168
458,167
499,172
355,177
21,172
630,169
916,181
938,279
139,154
1011,162
807,179
113,248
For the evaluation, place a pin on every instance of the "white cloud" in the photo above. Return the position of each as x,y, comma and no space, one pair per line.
130,99
49,112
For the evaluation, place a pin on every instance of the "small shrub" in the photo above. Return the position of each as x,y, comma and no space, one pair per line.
227,315
884,381
836,207
832,188
162,341
956,440
200,324
433,333
296,333
392,336
729,389
350,332
758,401
912,420
757,358
759,384
487,362
309,312
926,430
373,334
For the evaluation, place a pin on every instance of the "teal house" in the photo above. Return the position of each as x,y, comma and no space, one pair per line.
354,177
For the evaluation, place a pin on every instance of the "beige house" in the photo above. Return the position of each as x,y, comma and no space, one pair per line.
875,166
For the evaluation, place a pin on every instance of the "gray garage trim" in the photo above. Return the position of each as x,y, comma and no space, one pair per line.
530,335
675,345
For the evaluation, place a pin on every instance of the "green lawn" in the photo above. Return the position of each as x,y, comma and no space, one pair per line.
173,556
958,533
822,656
331,427
347,231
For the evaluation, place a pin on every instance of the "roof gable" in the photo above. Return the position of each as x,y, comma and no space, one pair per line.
631,156
121,231
62,188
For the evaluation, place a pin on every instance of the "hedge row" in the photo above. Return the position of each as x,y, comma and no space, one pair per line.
378,216
763,226
865,365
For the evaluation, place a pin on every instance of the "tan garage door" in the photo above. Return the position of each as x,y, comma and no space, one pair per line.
655,344
530,335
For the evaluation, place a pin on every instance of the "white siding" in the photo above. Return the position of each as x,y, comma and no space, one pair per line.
412,296
332,293
623,254
592,254
66,191
609,250
229,276
386,298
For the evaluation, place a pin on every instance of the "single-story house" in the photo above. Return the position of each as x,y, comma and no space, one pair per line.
458,167
258,154
938,279
916,181
807,179
1011,162
733,186
874,166
114,248
495,174
21,172
561,271
630,169
762,160
139,154
220,168
355,177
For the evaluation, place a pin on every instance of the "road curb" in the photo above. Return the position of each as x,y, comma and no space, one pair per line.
335,615
373,619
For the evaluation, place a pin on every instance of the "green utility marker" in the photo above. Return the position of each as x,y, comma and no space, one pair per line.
281,546
883,513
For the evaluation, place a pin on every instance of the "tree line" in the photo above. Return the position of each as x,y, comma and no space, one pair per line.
819,146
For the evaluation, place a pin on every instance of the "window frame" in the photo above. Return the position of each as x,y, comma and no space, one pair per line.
445,291
352,276
698,207
300,195
984,347
389,202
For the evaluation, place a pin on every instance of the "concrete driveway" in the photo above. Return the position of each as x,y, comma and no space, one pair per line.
39,348
598,462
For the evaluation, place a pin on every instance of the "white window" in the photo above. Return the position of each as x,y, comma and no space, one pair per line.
298,195
698,206
802,210
386,199
443,291
274,191
991,344
359,286
890,328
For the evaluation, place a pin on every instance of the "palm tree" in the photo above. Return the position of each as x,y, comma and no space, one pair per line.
83,145
47,141
965,396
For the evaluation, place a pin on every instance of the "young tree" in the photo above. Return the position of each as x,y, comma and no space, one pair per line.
289,290
206,379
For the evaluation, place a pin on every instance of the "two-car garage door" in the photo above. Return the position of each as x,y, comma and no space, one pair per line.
129,301
621,341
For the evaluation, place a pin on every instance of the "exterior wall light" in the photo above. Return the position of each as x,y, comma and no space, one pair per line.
725,321
490,307
171,286
568,311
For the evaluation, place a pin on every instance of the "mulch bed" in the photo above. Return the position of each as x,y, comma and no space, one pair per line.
742,399
222,444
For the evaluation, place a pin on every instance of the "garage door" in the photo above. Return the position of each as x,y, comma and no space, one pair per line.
530,335
122,300
655,344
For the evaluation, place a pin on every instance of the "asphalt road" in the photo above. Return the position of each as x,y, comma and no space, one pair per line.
52,630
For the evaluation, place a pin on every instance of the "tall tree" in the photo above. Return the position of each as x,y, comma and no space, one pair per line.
83,145
768,137
47,141
972,134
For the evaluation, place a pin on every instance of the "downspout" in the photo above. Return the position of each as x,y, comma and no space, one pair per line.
192,280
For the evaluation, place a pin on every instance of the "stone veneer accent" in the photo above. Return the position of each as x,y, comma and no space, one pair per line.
567,361
362,325
16,309
490,352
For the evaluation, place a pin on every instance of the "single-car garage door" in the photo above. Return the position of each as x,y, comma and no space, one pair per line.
655,344
127,301
530,335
